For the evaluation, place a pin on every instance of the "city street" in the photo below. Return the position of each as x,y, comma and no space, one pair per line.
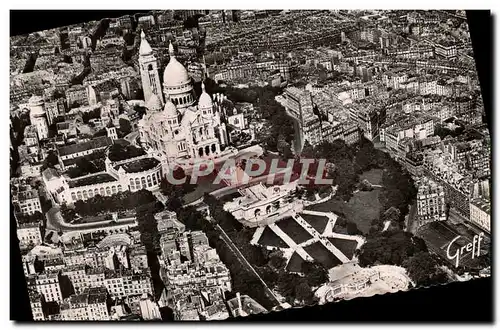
243,261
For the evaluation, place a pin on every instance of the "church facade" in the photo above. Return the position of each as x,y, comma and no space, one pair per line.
177,128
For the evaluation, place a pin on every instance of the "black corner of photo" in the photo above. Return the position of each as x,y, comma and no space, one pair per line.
481,34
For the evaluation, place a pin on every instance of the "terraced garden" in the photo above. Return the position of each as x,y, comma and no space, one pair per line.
317,222
322,255
269,238
294,230
295,263
346,246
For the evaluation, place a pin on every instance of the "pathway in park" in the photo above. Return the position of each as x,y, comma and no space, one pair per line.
314,233
269,293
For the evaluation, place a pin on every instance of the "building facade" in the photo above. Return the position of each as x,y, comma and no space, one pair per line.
260,205
431,205
46,284
38,117
480,213
92,305
29,234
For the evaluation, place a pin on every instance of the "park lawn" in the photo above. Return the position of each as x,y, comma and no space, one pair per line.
361,209
322,255
373,175
269,238
293,229
317,222
295,263
346,246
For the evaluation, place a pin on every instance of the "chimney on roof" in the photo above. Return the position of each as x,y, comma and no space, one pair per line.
240,308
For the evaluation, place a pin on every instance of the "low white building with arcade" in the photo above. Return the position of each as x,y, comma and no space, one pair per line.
134,174
260,205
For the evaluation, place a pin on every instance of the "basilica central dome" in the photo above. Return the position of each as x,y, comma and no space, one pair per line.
175,73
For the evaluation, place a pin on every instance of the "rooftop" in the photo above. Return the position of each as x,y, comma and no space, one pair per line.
115,240
96,143
63,125
27,194
50,174
91,179
483,204
139,165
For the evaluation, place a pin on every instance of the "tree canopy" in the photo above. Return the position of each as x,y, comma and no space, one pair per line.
120,151
92,114
316,273
174,192
121,201
82,167
351,161
125,126
423,270
390,248
51,160
266,107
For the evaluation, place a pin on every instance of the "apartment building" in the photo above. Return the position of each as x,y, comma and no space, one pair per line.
480,213
431,205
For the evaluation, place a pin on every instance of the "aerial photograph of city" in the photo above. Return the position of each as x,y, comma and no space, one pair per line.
200,165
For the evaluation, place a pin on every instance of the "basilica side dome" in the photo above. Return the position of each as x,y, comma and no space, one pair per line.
170,110
205,100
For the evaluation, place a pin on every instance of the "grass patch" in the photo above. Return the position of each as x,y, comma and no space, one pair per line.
294,230
317,222
373,175
269,238
361,209
346,246
322,255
